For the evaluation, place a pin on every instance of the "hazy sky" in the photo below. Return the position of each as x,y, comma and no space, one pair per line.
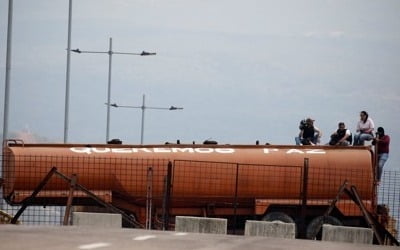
242,70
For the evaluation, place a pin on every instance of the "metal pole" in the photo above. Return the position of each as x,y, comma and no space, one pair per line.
8,71
142,128
29,200
66,113
366,214
143,107
110,52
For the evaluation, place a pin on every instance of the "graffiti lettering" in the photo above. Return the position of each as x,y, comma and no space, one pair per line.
90,150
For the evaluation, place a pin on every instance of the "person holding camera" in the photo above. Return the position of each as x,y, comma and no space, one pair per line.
383,142
309,134
341,137
365,129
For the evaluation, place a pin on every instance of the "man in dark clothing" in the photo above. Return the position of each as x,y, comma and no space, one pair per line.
342,136
383,149
309,134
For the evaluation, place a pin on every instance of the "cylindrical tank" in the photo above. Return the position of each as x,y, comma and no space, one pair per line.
200,172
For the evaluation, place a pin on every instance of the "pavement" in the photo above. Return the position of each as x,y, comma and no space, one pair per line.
74,237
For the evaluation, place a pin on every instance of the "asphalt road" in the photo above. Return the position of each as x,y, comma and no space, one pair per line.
73,237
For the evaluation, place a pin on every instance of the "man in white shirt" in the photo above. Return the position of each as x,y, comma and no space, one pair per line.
365,129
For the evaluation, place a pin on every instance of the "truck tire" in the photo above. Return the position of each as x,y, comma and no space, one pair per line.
316,224
280,217
277,216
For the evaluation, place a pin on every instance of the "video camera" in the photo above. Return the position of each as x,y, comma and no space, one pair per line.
303,124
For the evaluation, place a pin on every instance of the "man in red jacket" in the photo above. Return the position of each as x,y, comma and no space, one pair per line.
383,149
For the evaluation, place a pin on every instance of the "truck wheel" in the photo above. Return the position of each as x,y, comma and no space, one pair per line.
316,224
278,216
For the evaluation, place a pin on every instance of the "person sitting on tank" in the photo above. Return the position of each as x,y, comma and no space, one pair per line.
341,137
309,134
365,129
301,127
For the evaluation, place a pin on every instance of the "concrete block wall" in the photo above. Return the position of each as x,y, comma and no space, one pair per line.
347,234
201,225
270,229
104,220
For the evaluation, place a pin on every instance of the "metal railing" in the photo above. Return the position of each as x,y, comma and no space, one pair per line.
156,187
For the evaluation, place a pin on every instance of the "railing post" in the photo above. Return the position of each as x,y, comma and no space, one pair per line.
125,216
72,187
167,196
304,189
149,197
235,199
375,171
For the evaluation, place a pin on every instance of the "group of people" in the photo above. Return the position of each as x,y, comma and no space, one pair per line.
311,135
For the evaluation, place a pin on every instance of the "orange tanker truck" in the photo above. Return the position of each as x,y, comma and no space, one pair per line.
266,182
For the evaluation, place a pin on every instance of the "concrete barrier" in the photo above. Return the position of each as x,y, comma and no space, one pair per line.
275,229
347,234
201,225
104,220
